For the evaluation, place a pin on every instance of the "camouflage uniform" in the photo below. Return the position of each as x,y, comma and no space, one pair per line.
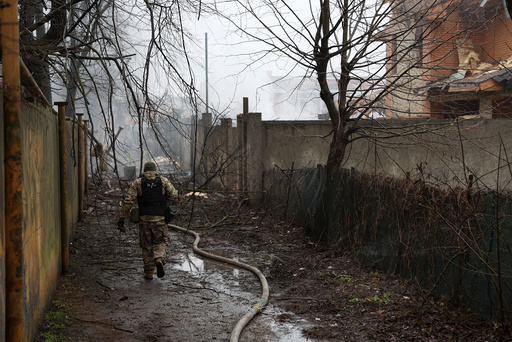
153,231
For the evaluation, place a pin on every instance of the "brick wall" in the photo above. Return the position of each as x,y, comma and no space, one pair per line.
495,42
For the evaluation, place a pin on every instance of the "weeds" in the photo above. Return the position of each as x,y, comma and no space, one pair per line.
386,299
344,278
55,323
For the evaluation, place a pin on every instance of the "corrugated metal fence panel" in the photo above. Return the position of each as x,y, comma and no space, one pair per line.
41,212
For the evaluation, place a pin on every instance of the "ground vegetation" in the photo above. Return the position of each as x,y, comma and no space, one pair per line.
326,293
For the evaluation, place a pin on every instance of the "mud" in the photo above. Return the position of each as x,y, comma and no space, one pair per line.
316,293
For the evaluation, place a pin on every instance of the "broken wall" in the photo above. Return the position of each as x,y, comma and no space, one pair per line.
494,42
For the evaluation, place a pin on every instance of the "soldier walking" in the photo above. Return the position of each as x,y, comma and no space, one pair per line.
154,194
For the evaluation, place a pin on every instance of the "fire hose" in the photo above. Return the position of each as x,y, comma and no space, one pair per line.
256,308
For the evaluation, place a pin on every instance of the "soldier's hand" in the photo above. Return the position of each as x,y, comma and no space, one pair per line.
120,225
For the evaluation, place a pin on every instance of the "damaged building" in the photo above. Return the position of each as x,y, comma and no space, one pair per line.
451,59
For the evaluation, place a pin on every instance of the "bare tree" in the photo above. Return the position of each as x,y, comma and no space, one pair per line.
111,59
363,54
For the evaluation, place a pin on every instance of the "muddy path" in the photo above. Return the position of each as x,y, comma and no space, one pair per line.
316,293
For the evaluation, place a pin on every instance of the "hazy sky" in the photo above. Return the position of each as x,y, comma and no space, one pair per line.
236,70
230,77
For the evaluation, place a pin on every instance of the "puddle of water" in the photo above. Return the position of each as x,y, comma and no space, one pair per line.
188,263
193,263
287,332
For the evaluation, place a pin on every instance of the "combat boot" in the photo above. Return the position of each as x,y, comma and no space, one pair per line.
148,275
159,268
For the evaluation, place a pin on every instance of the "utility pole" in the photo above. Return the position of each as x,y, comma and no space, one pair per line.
206,66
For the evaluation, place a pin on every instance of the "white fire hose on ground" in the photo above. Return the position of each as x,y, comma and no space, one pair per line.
256,308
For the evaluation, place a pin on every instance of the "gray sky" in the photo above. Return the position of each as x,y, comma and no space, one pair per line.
236,70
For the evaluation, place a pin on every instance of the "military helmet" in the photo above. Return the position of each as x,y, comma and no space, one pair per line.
149,166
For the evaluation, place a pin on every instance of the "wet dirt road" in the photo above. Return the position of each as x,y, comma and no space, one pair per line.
197,300
316,293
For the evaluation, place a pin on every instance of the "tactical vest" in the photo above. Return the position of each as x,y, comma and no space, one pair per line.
153,200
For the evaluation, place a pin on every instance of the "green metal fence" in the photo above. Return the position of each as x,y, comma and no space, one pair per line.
454,242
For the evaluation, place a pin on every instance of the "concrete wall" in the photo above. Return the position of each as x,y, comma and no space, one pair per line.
441,151
446,153
438,151
301,143
41,228
222,158
216,153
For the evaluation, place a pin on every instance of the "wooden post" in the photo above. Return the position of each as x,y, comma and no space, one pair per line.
86,158
253,158
227,153
243,144
13,244
64,232
80,166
